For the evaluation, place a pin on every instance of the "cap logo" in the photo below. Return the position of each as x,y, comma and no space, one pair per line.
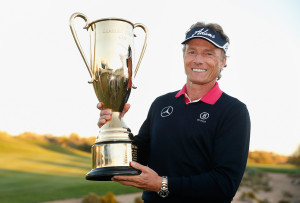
201,32
209,34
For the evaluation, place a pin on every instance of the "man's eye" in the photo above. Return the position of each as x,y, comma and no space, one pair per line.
209,54
191,52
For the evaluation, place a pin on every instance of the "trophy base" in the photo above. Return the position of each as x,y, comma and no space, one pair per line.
106,173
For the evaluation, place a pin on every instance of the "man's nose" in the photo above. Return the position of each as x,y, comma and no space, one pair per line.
198,59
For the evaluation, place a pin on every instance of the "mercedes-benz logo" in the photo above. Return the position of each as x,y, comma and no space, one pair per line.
167,111
204,115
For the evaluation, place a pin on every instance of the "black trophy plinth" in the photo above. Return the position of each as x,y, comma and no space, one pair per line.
106,173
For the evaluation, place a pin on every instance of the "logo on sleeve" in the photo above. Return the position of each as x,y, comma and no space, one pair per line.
203,117
167,111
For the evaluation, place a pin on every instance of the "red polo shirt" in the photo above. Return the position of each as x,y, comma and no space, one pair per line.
211,97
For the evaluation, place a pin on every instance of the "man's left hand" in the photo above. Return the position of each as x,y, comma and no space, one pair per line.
148,180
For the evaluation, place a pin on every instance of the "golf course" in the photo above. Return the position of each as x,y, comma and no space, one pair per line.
35,170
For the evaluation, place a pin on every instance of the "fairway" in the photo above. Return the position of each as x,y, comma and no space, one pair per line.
37,171
278,168
18,186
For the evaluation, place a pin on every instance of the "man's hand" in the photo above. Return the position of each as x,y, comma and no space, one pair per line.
105,114
148,180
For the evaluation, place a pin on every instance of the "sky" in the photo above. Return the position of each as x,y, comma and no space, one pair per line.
44,82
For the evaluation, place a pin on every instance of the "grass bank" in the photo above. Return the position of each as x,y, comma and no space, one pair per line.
278,168
35,171
16,186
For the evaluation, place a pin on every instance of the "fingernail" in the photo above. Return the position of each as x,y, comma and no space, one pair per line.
100,105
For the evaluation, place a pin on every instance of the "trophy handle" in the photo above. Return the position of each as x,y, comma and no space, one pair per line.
75,15
144,47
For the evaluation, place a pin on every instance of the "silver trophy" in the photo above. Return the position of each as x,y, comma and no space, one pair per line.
110,68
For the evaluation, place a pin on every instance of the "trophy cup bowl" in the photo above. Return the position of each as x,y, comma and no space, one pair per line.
110,68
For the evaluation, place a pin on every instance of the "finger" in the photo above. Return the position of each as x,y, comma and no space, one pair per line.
100,106
130,179
105,112
139,166
101,122
119,178
125,109
104,119
128,183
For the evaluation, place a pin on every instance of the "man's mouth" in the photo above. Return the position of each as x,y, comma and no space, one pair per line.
198,70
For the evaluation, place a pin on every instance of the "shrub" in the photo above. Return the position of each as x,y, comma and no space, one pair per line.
94,198
91,198
138,200
108,198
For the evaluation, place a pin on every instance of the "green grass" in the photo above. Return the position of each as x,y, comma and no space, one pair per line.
27,187
279,168
40,156
37,171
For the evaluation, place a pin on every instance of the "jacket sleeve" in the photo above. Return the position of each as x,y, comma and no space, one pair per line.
231,146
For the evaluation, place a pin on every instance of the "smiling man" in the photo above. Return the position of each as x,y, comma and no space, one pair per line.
193,145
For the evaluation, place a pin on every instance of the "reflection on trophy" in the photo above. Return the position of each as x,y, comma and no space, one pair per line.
110,68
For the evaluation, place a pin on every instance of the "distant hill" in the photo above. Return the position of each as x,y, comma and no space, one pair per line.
264,157
39,155
47,154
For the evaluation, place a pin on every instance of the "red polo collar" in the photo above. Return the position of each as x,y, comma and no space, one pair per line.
211,97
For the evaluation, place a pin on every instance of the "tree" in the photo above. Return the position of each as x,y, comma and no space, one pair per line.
295,158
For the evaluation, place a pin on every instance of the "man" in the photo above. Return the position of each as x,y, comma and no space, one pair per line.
194,143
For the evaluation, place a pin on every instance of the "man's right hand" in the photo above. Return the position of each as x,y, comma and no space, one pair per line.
106,114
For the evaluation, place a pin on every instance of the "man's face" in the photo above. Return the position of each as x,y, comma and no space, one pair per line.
202,61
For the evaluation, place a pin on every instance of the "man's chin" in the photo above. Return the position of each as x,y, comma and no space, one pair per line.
201,82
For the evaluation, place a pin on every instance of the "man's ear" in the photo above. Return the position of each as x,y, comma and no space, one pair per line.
223,63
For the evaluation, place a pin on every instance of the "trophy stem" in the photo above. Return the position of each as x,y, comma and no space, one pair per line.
114,130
